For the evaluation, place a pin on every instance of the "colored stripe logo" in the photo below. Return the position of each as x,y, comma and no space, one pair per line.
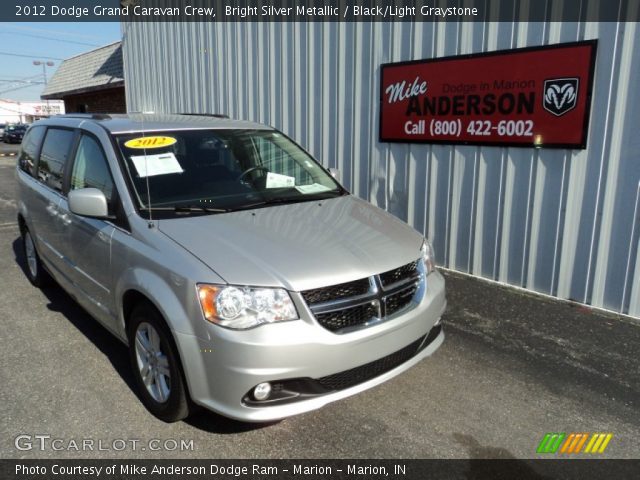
574,443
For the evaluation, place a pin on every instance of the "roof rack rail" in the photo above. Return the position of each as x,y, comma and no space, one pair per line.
214,115
93,116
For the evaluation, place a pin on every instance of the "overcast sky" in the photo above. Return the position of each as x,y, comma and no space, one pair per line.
22,43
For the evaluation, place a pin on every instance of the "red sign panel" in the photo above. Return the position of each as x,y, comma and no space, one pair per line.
528,97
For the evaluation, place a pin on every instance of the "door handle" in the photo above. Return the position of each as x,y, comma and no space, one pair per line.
66,219
52,210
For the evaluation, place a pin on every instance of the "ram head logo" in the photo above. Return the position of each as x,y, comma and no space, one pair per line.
560,95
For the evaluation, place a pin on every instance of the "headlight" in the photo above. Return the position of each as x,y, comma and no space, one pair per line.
245,307
428,257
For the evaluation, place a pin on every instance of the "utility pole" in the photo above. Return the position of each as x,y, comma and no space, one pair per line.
44,74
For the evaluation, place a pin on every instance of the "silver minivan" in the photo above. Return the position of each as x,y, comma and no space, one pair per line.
243,277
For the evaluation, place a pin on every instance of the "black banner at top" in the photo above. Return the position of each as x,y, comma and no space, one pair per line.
319,11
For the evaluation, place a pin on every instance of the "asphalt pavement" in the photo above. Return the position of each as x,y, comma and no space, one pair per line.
513,367
8,149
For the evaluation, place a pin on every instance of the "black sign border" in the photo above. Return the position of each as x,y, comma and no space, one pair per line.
593,44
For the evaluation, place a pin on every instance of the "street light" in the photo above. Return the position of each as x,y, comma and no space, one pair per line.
44,68
44,74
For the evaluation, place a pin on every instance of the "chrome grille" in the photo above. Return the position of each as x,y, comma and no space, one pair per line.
348,317
410,270
366,301
336,292
398,301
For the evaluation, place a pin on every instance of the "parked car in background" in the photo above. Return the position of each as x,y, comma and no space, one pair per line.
2,127
14,133
243,277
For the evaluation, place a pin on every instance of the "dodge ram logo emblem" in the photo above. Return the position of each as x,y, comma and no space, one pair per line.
560,95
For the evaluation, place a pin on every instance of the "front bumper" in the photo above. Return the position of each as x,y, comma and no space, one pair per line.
222,369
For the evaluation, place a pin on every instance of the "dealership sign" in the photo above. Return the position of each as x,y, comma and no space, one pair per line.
536,96
47,109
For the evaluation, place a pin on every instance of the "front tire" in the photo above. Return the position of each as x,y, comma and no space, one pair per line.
156,365
36,273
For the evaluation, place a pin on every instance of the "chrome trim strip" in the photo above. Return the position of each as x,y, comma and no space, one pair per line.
401,287
347,304
89,277
392,286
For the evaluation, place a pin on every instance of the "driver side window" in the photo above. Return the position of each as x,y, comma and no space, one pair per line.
275,159
90,169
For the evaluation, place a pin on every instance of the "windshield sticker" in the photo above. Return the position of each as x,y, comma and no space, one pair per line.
313,188
275,180
160,164
149,142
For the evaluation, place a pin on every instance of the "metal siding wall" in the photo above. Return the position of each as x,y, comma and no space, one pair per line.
564,223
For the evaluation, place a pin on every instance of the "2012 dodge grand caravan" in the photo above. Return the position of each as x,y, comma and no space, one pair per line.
242,276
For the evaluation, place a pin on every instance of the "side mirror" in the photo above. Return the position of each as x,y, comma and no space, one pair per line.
335,173
88,202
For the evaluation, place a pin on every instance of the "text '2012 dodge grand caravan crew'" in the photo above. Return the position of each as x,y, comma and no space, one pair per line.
242,276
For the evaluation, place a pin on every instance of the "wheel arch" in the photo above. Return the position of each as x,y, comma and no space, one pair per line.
140,284
22,223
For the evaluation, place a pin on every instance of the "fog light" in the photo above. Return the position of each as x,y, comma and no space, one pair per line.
262,391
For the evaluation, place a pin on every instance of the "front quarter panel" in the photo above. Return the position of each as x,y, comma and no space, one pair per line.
152,264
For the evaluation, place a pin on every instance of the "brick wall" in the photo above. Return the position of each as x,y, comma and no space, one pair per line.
104,101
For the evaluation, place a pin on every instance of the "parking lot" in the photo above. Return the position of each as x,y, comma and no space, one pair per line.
513,367
8,149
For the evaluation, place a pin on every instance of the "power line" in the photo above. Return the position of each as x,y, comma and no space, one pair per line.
20,79
18,83
47,30
21,87
30,56
51,38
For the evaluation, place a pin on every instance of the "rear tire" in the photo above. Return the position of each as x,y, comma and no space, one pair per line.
36,273
156,364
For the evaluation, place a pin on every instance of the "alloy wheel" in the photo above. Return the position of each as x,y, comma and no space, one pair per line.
153,363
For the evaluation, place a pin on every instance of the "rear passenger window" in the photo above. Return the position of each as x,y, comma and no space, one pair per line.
53,157
30,146
90,169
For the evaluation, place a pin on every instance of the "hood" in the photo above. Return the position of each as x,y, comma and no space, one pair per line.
298,246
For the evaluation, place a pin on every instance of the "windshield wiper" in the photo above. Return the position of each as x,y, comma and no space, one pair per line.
285,200
185,209
198,208
269,201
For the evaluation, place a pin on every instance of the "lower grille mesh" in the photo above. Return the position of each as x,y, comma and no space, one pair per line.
350,378
295,389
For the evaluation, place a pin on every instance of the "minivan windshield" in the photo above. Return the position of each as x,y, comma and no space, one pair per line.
220,170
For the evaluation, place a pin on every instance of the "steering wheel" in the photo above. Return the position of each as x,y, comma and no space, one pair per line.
251,169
